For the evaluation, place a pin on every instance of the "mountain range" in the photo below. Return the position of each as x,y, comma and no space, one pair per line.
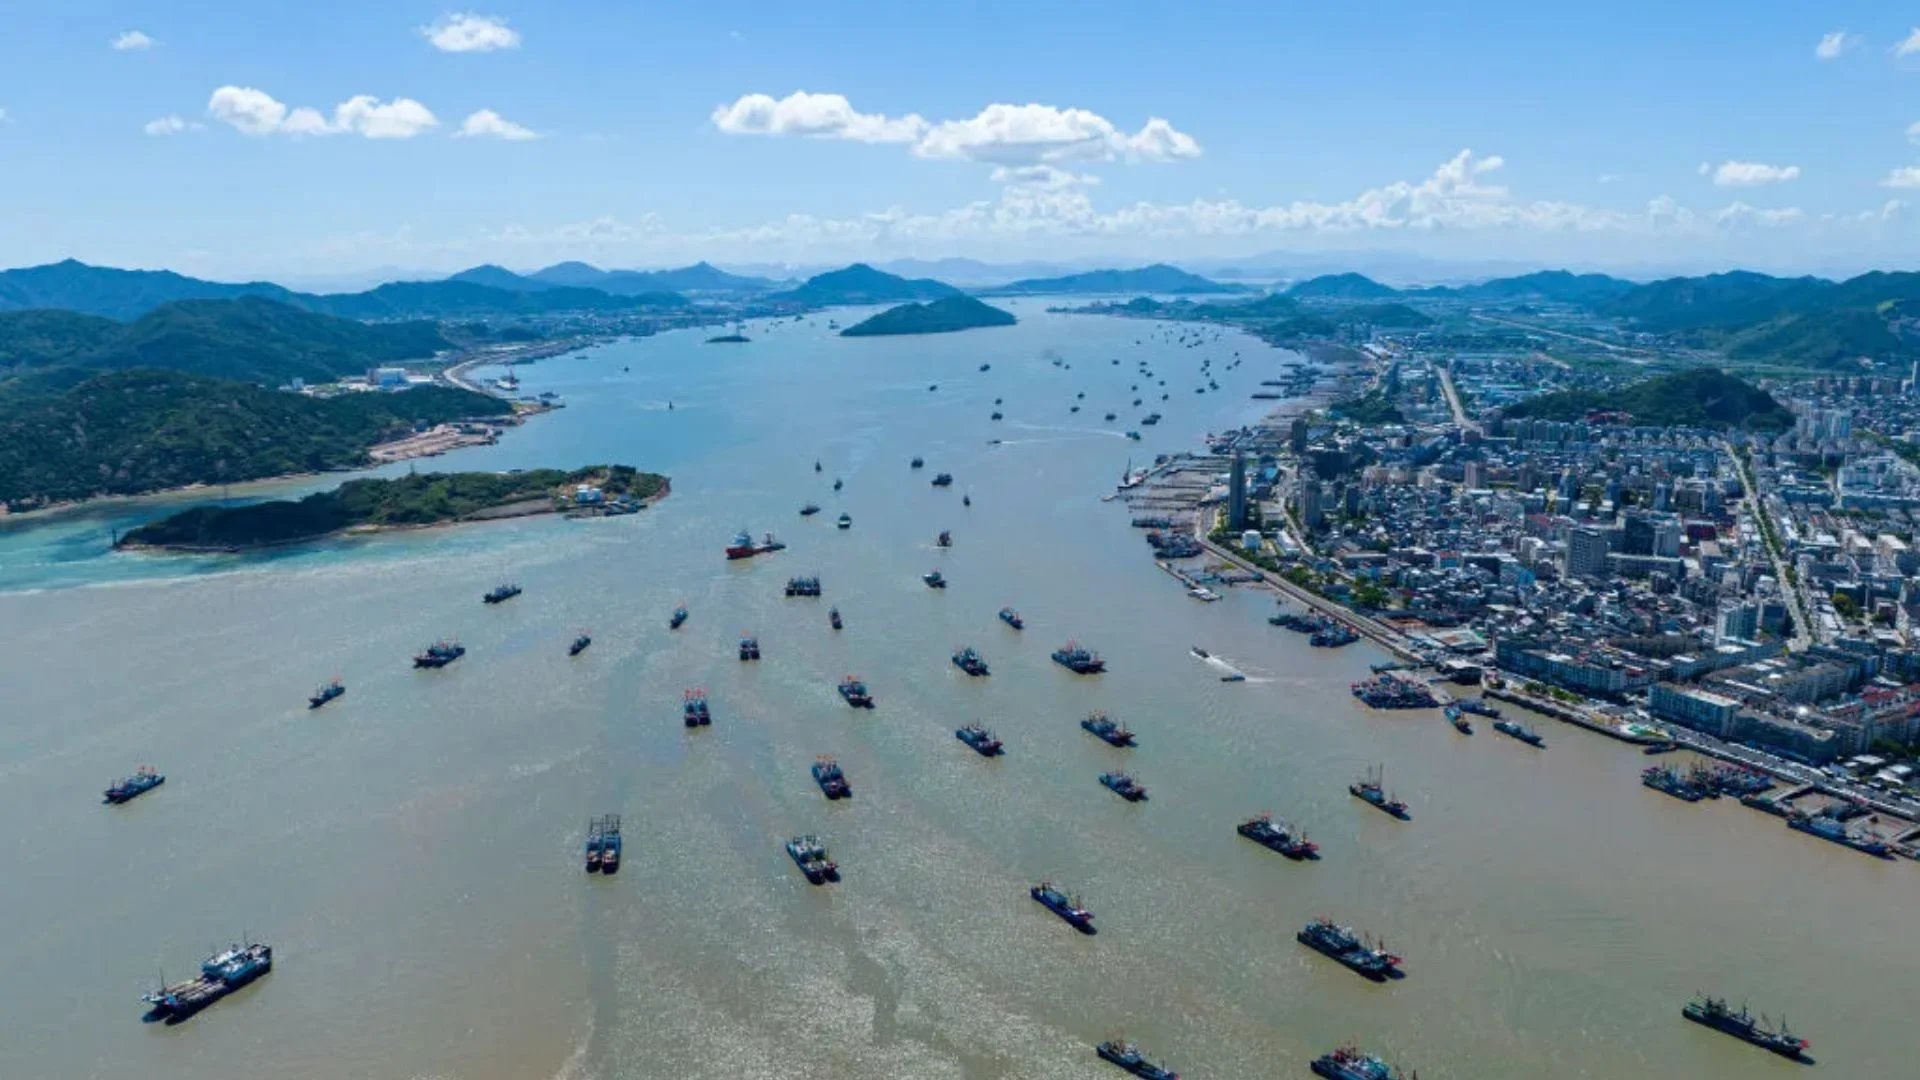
701,277
862,284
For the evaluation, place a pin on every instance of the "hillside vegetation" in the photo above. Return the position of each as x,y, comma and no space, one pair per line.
938,317
129,432
415,499
1703,397
250,339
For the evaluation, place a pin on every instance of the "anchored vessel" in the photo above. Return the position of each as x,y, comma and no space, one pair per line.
1128,1057
500,594
1341,943
1675,783
1348,1063
934,580
1520,731
440,654
1481,707
803,586
969,661
679,616
220,974
1124,786
325,694
1368,789
943,480
980,739
1458,718
1012,618
1279,836
1108,731
832,781
1390,692
846,520
694,708
749,648
1718,1015
743,546
603,844
855,692
917,462
809,510
579,645
833,617
945,539
1078,660
143,780
1066,907
1827,827
810,855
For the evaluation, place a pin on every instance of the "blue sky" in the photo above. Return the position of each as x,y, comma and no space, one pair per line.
280,138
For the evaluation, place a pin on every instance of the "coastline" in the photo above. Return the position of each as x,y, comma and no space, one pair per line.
524,508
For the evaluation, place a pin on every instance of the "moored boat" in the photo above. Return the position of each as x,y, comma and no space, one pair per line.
831,778
439,654
1128,1056
1279,836
833,618
500,593
326,693
1717,1014
1124,786
855,692
679,616
1348,1063
934,579
693,709
1369,790
579,645
980,739
1012,618
810,855
1520,731
1078,660
220,974
143,780
1067,907
1108,731
970,661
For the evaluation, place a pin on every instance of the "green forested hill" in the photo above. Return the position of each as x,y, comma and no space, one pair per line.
250,339
1703,397
129,432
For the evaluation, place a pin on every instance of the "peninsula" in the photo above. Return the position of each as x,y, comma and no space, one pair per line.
938,317
413,501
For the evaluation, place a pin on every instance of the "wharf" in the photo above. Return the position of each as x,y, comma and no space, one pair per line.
1576,717
1379,633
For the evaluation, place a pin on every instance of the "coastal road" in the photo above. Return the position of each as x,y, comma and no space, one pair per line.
1453,400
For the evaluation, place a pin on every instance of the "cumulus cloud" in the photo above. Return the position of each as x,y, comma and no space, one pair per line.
491,125
1043,134
1751,173
255,112
468,32
820,116
1011,136
1908,177
170,125
131,41
1832,45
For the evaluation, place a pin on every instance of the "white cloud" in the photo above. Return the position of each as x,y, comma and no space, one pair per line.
1910,45
1913,131
1752,173
1043,134
1739,213
252,112
1608,178
1008,136
255,112
1043,176
170,125
131,40
1833,44
3,116
1908,177
489,124
468,32
820,116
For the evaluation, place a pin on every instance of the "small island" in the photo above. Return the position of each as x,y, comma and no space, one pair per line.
412,501
936,317
729,339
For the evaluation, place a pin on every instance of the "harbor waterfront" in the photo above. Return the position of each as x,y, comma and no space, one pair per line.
411,851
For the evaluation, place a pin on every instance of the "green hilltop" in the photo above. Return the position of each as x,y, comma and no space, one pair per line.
938,317
1702,397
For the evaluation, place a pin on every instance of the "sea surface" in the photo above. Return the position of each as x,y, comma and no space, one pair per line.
413,851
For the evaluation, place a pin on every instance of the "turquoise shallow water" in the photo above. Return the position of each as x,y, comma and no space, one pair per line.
412,850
